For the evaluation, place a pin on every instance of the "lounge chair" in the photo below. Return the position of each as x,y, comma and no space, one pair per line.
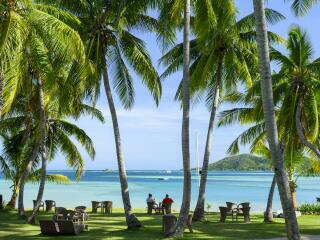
67,227
49,227
41,204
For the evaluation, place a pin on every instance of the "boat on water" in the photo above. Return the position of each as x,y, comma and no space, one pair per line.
168,171
162,179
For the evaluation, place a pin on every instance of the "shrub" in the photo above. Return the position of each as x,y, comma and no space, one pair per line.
310,208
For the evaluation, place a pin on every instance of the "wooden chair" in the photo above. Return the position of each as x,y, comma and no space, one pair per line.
152,206
49,227
67,227
107,207
49,205
61,213
81,214
243,209
166,208
95,206
231,209
168,224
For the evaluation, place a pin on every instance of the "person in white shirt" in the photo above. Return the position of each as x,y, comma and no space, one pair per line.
151,199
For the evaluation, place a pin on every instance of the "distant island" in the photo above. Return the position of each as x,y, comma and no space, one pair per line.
242,162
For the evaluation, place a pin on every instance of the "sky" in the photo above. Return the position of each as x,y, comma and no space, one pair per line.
151,135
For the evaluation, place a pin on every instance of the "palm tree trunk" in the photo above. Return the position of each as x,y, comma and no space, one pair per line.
292,185
268,215
15,191
131,219
26,172
198,214
43,138
293,232
1,92
186,198
301,132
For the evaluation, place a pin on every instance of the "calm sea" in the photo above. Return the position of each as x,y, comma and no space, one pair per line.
222,186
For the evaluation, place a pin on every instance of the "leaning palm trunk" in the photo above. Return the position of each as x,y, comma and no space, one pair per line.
268,215
271,127
186,198
33,216
131,219
34,154
199,210
300,130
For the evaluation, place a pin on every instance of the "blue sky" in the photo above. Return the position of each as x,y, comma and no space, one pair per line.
151,135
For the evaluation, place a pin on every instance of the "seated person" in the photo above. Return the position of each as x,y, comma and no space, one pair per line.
167,200
150,199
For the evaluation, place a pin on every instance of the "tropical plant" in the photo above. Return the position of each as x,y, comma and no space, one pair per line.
107,31
22,126
310,208
271,126
301,7
228,48
12,165
32,41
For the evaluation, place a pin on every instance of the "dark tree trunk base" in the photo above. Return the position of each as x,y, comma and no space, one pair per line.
133,222
268,217
32,221
198,215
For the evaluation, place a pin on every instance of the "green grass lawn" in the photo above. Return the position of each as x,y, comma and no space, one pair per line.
114,227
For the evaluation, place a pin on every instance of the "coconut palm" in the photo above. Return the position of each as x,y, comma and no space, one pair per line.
114,49
301,7
291,84
300,80
271,126
58,132
29,29
229,48
12,165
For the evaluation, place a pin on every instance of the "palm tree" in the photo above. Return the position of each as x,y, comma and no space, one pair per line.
58,132
113,48
300,80
12,165
271,127
301,7
186,198
26,26
229,48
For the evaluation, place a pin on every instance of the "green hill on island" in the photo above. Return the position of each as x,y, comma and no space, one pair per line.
242,162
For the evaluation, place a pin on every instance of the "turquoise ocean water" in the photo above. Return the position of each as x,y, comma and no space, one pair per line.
222,186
